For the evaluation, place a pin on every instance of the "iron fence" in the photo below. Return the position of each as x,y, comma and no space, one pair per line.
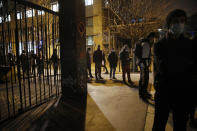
29,57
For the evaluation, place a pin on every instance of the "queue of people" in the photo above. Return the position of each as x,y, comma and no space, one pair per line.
32,62
174,72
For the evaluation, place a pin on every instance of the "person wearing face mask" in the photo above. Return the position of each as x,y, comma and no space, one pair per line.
172,74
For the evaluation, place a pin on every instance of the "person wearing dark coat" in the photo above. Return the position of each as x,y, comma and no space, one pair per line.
125,62
54,59
88,58
97,59
23,61
113,60
172,67
10,58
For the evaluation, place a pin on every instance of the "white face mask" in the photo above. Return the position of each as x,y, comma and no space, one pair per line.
177,29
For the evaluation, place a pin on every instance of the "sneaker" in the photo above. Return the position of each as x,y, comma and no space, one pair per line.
114,77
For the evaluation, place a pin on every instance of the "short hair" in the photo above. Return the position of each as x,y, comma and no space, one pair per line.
173,14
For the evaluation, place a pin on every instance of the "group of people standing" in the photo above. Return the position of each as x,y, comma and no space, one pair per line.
99,60
33,61
175,73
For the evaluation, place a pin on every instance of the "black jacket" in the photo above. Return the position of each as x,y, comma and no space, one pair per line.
97,56
113,59
173,65
88,58
54,58
124,57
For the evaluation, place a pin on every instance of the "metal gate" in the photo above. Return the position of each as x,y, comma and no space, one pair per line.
29,56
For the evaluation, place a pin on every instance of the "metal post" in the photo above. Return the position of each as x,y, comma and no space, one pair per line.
9,41
54,38
19,59
42,39
3,37
38,44
34,70
17,55
14,56
49,54
47,50
27,55
53,33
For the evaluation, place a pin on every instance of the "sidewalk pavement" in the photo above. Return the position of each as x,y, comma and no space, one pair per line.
112,106
150,110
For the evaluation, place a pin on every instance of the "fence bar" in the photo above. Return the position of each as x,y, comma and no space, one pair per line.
46,39
10,65
19,57
14,56
27,55
42,39
50,52
34,58
7,94
17,54
39,61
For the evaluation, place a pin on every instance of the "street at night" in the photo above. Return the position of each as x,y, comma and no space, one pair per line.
98,65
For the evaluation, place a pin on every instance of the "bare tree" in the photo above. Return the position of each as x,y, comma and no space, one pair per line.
136,18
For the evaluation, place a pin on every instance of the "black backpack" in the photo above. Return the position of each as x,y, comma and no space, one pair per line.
138,50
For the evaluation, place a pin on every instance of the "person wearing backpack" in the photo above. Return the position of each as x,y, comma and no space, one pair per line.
144,61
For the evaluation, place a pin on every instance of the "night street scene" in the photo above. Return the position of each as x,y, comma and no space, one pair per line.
98,65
